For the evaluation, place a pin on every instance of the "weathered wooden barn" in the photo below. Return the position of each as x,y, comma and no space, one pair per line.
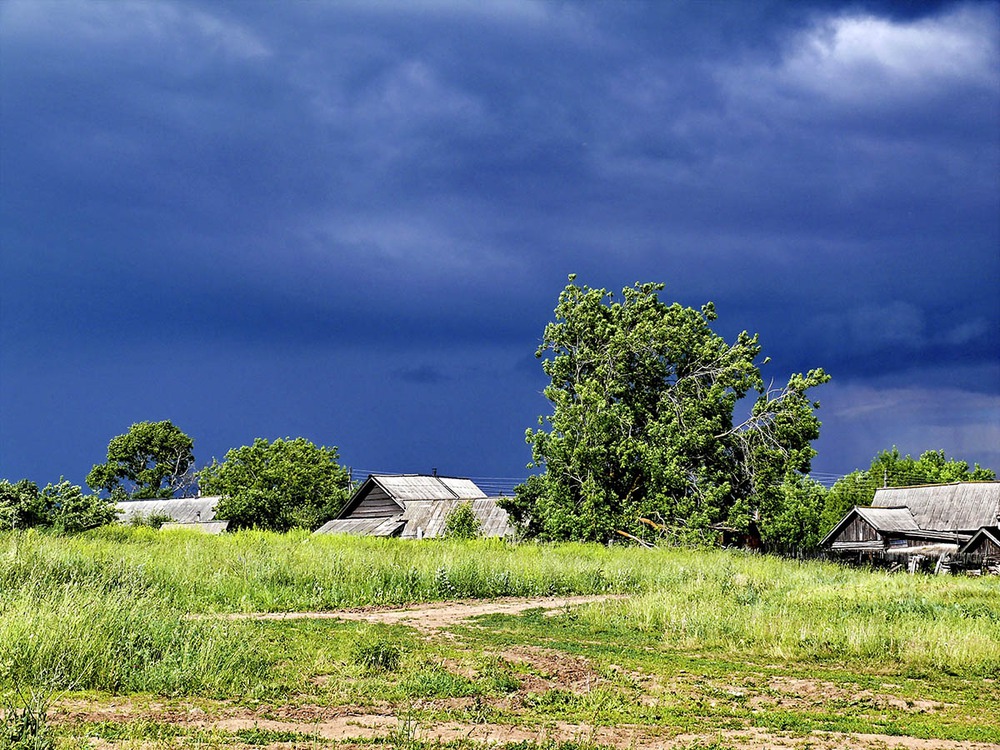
933,521
983,550
184,512
415,506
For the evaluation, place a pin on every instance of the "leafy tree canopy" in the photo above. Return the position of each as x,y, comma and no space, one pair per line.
62,507
286,484
151,460
643,399
891,469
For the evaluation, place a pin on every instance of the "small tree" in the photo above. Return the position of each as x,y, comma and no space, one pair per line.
286,484
22,505
151,460
461,523
71,511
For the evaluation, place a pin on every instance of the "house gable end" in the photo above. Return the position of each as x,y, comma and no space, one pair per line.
371,500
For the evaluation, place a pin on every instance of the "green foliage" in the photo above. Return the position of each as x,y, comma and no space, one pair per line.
890,469
62,507
151,520
71,511
643,397
24,721
22,505
792,525
151,460
286,484
376,650
461,523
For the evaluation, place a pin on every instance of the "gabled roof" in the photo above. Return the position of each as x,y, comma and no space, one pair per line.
404,488
883,520
960,506
423,487
889,519
179,509
991,533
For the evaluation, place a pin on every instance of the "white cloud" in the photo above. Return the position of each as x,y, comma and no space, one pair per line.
854,57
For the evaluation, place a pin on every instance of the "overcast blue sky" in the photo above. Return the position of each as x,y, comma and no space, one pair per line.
350,221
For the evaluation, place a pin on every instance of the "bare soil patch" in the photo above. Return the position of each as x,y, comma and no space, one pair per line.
430,617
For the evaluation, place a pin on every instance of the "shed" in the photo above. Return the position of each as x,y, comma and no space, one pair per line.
913,520
415,506
189,511
983,549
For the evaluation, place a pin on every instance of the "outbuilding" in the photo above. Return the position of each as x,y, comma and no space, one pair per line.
183,512
929,521
415,506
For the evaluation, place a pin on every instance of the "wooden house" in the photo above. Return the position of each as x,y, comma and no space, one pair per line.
415,506
184,512
929,520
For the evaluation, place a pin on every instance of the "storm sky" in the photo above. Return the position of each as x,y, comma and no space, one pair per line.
350,221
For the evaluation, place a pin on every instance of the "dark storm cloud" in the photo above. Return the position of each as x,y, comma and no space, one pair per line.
304,179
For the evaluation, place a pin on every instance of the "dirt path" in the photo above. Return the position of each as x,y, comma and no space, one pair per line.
346,726
435,616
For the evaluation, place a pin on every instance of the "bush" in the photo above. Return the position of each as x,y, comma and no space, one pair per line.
461,523
61,506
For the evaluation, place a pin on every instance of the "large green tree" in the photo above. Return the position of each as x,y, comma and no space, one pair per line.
282,485
891,469
643,400
151,460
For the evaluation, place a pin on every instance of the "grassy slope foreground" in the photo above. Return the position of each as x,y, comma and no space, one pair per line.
127,629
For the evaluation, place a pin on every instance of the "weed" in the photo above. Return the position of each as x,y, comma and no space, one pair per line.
24,725
434,681
372,649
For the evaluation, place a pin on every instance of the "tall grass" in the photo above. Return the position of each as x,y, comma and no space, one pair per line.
260,571
106,609
815,612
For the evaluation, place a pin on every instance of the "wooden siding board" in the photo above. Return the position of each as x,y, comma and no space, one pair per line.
375,504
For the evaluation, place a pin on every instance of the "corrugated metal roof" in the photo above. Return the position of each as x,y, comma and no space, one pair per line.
385,526
961,506
889,519
180,509
422,487
426,518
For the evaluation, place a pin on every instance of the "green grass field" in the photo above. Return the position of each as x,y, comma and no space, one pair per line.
125,631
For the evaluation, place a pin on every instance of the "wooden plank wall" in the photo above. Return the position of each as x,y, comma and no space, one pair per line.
858,530
375,504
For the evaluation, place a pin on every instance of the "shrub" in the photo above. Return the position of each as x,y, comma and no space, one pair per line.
461,523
